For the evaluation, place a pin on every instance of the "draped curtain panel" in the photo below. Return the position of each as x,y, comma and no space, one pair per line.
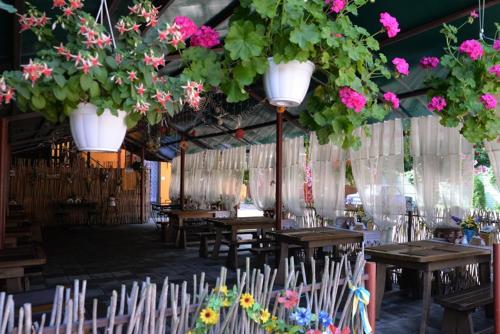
175,179
443,165
378,172
328,174
294,160
213,176
232,169
493,149
262,175
196,177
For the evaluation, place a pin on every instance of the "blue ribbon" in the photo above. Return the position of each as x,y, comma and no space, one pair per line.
361,298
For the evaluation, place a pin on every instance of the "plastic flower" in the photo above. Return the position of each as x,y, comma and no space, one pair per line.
324,319
208,316
352,99
302,316
489,101
429,62
390,24
336,5
437,103
472,48
264,316
495,70
246,300
401,66
186,25
289,300
205,37
496,44
392,99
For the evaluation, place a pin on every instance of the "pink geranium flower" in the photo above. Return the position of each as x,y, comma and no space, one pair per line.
472,48
496,44
352,99
429,62
401,65
392,99
205,37
495,70
474,14
489,101
337,5
186,25
289,300
437,103
390,24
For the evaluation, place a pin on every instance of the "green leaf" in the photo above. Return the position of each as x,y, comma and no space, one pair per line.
305,35
132,119
59,93
101,74
234,92
244,40
60,80
111,62
8,8
153,117
265,8
38,102
244,74
94,89
85,82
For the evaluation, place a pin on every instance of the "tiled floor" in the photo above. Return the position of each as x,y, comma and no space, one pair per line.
108,256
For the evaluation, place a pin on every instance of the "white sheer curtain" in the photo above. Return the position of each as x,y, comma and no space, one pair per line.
378,172
196,177
443,166
175,179
262,176
232,169
328,174
493,149
213,187
294,160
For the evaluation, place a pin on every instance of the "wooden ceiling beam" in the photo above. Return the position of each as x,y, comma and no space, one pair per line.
434,23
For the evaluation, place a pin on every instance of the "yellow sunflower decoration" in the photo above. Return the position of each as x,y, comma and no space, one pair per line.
264,316
246,300
209,316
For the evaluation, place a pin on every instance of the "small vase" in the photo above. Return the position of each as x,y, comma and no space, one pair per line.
468,234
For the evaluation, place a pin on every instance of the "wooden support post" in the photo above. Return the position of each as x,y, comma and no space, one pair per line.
279,166
371,286
4,176
183,173
88,159
496,286
142,186
410,224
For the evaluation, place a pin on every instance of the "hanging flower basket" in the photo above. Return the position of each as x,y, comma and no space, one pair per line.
286,84
95,133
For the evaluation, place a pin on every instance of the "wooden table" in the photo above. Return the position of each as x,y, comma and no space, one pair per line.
426,256
14,261
174,232
310,239
235,225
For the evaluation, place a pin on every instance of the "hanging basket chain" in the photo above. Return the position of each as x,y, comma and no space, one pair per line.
103,9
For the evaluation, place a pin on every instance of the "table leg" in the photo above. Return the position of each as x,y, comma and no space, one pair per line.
381,273
218,241
232,258
281,258
484,273
426,300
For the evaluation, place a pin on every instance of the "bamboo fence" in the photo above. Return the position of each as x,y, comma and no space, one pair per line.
174,309
40,188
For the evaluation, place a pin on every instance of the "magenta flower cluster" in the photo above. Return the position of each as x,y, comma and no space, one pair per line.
336,5
392,99
401,66
205,37
489,101
496,44
352,99
390,24
472,48
437,103
186,25
495,70
429,62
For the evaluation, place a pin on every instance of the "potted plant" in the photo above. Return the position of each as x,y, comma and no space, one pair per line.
470,227
103,85
284,41
467,96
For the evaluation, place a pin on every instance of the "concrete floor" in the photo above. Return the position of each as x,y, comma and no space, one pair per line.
108,256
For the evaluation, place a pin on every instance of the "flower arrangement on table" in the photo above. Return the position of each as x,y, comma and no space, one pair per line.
88,65
300,319
469,226
467,96
345,55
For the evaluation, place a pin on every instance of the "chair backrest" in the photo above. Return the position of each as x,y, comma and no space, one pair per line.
344,222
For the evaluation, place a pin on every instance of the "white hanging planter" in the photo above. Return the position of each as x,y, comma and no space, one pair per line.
286,84
94,133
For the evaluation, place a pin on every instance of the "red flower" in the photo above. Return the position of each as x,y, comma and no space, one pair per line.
59,3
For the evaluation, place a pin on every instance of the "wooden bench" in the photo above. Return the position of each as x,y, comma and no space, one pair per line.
458,309
263,253
207,238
